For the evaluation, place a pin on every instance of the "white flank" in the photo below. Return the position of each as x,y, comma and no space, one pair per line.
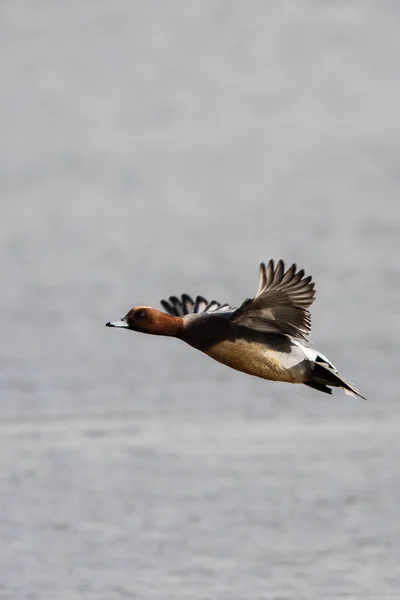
312,354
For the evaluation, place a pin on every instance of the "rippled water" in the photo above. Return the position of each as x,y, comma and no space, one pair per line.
157,148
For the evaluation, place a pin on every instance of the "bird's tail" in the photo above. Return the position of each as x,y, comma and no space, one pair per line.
323,377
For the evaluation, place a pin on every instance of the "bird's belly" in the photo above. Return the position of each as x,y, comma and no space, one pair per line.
256,359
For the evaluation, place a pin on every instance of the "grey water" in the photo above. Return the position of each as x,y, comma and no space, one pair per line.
156,148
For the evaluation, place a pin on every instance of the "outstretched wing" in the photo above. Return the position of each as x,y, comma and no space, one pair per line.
281,302
178,307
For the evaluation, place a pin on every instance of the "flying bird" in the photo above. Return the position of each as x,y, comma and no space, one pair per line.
267,336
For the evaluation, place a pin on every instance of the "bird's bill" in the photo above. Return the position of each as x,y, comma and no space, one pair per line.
122,323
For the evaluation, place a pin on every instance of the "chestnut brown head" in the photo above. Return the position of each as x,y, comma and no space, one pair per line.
149,320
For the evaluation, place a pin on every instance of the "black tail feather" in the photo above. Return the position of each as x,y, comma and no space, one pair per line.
323,375
319,387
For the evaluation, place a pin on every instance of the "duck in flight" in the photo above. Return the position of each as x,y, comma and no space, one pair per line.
267,336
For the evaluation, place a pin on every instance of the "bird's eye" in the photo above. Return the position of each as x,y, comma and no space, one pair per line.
140,314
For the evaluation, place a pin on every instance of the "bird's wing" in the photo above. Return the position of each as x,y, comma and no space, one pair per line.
185,305
281,302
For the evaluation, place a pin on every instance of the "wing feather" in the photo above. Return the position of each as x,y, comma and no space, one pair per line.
281,302
279,306
179,307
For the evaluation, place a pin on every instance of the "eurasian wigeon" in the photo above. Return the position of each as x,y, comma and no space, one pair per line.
267,336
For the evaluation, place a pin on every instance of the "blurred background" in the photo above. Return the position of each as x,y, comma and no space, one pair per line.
161,147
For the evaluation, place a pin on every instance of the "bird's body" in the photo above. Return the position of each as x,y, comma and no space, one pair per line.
267,355
267,336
